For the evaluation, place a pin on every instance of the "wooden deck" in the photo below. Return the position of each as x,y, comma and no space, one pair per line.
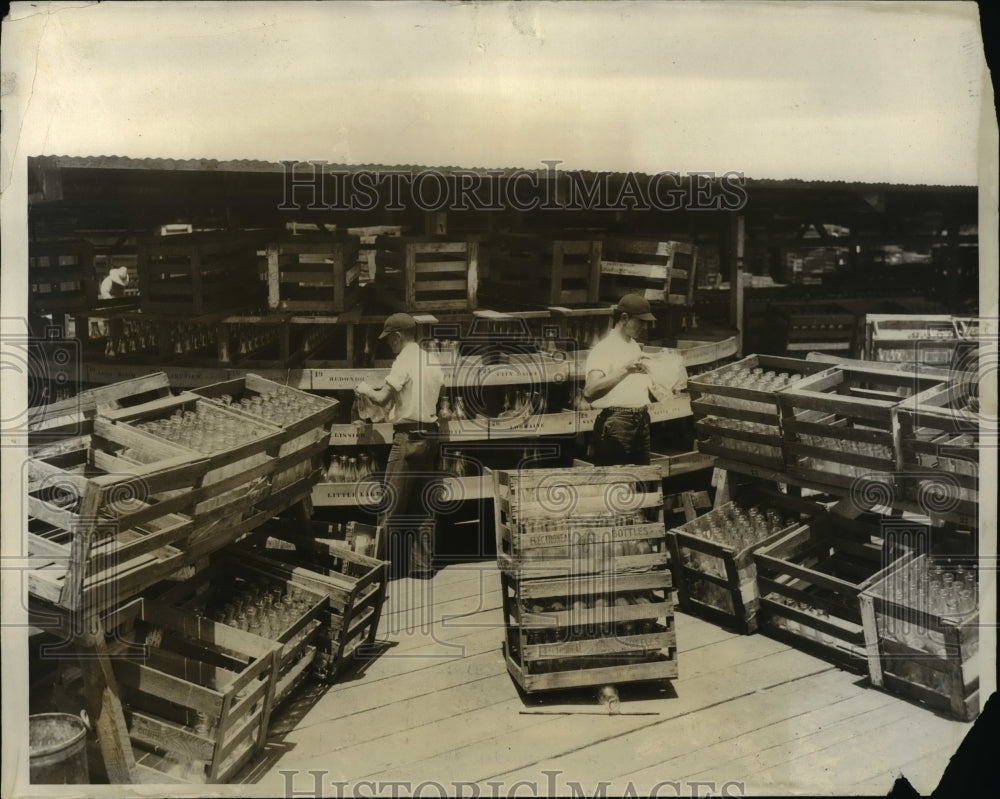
747,713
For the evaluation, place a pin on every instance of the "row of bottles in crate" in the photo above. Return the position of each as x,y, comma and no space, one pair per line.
358,465
591,616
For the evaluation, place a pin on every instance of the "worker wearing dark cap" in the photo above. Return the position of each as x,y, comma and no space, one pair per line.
410,394
619,384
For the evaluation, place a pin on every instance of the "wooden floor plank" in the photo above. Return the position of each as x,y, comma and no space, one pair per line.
439,705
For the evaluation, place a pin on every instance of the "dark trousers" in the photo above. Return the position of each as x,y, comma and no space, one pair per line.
621,438
408,520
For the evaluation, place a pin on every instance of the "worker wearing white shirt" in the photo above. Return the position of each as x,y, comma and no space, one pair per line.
410,393
619,384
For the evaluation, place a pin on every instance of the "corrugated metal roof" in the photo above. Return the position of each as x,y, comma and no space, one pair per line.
251,165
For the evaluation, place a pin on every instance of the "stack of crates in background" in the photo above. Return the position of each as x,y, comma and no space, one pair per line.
921,623
313,273
531,269
587,592
659,271
914,341
428,273
61,276
199,273
808,327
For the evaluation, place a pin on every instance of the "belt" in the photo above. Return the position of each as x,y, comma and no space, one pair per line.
415,427
605,412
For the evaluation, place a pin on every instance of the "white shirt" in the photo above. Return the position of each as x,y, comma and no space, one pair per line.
611,353
417,383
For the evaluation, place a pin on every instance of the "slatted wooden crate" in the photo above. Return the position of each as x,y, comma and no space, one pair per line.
199,273
546,272
585,520
806,327
739,422
243,460
355,585
918,651
589,630
809,582
61,275
916,340
717,579
182,666
313,273
838,424
660,271
108,508
939,433
418,273
305,419
294,624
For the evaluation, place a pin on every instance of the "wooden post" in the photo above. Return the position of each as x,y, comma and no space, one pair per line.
735,252
273,276
104,704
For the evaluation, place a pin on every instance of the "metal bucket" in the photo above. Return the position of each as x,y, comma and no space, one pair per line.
57,749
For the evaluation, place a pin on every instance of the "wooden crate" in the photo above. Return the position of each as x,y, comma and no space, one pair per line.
546,272
599,630
199,273
939,449
428,273
354,583
584,520
109,509
306,423
231,578
180,665
717,579
249,459
918,651
313,273
660,271
806,327
837,424
61,276
742,423
916,340
809,582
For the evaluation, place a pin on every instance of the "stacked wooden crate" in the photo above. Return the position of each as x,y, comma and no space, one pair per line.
809,327
242,452
313,273
712,561
61,276
587,595
428,273
547,272
199,273
660,271
354,584
111,512
924,340
305,420
736,421
285,612
838,429
810,581
197,694
939,432
922,645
